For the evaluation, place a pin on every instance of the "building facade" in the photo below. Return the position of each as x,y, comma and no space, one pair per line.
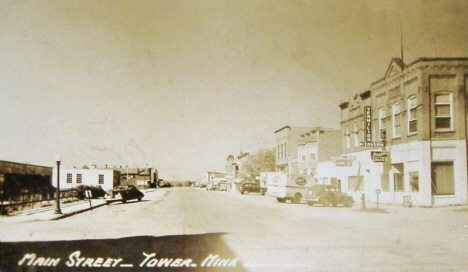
406,136
16,178
73,177
317,145
286,148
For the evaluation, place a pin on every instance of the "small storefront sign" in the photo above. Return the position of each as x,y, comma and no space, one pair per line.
373,144
301,181
379,156
343,161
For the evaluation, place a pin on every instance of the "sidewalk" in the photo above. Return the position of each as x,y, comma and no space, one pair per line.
48,213
399,208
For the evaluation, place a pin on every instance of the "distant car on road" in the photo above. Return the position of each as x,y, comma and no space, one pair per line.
222,186
251,187
126,192
210,186
326,195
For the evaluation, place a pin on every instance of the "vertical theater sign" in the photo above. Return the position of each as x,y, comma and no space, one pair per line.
377,156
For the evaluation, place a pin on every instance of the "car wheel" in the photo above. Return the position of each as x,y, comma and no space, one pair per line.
296,199
281,199
245,192
310,203
139,199
124,201
262,192
325,202
348,203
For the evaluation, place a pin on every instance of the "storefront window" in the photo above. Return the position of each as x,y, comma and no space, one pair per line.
442,178
398,180
334,181
414,181
399,184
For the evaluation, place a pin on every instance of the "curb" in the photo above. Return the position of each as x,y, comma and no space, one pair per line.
58,217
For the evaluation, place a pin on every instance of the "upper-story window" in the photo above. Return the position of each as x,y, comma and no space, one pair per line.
285,150
348,137
412,118
79,178
69,178
312,152
302,152
101,179
396,119
382,124
443,111
356,134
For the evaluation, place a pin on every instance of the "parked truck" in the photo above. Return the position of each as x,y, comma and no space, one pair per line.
290,187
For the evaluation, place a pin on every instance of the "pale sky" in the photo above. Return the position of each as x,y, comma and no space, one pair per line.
180,85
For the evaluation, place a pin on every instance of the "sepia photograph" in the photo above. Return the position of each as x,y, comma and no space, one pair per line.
233,135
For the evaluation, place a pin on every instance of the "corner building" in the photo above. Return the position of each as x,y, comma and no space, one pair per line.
419,113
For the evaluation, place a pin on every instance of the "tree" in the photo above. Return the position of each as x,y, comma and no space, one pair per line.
262,161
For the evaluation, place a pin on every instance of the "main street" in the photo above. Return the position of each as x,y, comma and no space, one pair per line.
270,236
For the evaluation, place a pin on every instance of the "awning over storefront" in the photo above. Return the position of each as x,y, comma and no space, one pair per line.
7,167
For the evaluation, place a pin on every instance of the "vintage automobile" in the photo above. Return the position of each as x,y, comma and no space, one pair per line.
251,187
326,195
124,193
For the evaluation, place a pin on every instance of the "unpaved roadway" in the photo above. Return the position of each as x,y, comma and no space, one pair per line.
270,236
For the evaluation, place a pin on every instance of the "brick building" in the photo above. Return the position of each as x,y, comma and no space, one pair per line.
407,134
286,148
316,145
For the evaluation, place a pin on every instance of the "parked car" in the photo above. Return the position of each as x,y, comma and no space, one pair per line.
246,188
96,191
326,195
126,192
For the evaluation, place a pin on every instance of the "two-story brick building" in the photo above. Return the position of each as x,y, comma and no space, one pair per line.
286,148
407,134
317,145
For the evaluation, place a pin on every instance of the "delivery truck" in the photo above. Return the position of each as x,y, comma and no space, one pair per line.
286,186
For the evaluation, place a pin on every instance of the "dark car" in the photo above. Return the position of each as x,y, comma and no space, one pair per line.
246,188
326,195
126,192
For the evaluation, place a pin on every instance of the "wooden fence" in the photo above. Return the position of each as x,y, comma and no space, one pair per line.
27,200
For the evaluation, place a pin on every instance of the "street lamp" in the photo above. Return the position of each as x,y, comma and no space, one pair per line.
57,199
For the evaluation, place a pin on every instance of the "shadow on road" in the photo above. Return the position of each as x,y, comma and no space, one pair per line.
201,252
129,202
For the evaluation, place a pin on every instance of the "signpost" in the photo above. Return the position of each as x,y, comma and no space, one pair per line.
377,192
88,196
